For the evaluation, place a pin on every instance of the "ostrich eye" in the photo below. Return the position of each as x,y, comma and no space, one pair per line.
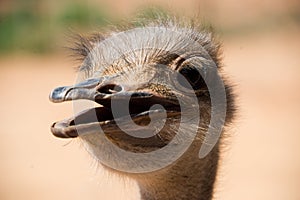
193,77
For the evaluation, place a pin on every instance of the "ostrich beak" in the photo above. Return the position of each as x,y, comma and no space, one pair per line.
103,91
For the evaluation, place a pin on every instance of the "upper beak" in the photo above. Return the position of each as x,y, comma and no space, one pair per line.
96,89
83,90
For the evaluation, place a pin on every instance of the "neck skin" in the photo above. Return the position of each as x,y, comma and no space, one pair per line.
190,178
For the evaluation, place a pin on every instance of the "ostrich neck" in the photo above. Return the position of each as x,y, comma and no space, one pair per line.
190,178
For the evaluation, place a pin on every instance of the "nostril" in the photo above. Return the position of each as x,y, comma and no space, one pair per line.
110,89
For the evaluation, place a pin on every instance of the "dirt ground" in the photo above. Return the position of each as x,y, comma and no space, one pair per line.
262,161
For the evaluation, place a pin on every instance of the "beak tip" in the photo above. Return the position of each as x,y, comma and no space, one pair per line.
57,95
58,130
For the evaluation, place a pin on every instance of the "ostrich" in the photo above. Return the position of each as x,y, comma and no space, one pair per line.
127,70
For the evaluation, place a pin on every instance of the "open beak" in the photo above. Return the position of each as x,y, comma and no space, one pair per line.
103,91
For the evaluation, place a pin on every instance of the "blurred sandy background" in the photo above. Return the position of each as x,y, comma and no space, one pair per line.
261,54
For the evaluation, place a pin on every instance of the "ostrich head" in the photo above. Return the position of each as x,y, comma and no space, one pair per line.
152,87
